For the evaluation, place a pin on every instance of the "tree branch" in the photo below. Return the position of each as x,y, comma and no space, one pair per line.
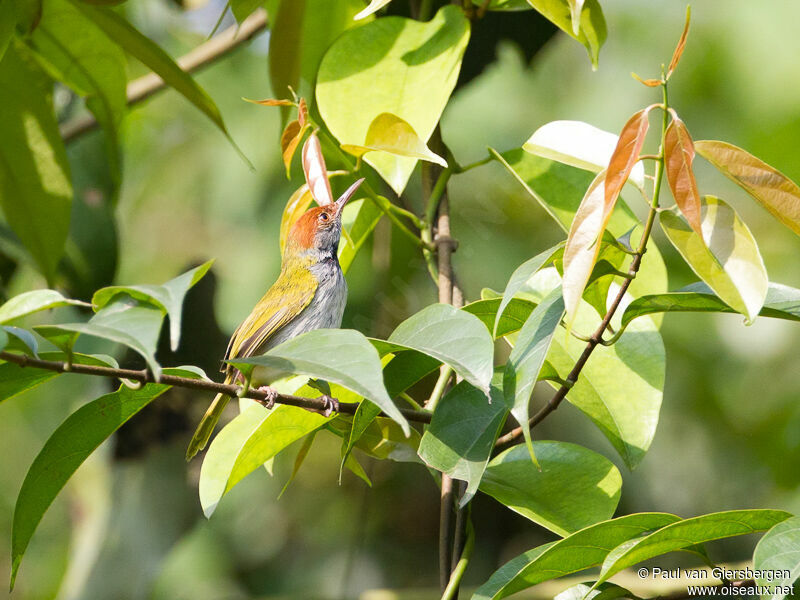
145,376
205,54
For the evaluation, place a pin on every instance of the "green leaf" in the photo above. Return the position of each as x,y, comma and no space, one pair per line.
515,313
781,302
384,439
374,6
15,379
526,359
246,443
520,277
386,66
8,22
65,450
242,9
779,550
35,188
592,29
620,389
34,301
547,496
21,340
342,356
391,134
301,31
153,57
367,214
452,336
462,434
689,532
726,258
604,591
168,296
405,369
305,447
366,413
583,549
79,54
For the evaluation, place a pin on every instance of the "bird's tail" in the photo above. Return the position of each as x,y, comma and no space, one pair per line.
207,425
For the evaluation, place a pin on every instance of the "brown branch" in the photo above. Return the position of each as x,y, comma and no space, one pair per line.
144,376
205,54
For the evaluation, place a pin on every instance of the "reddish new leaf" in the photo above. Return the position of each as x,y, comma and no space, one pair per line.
776,192
676,56
290,139
270,102
626,154
302,112
647,82
316,173
678,157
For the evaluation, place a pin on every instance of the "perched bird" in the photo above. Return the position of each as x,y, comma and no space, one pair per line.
310,293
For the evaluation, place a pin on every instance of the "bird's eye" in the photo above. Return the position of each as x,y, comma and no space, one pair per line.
323,216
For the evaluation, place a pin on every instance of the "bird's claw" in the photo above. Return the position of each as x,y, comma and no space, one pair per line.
271,394
331,406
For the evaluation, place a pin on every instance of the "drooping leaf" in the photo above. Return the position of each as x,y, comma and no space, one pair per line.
580,145
66,449
305,447
301,32
386,66
391,134
592,24
462,434
547,496
527,357
35,187
315,171
452,336
168,296
686,533
773,190
678,157
779,550
342,356
153,57
583,549
373,7
34,301
781,302
676,55
625,156
726,257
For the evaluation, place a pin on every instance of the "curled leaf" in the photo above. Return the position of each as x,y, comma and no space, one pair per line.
302,112
771,188
270,102
316,172
389,133
625,156
647,82
676,56
678,157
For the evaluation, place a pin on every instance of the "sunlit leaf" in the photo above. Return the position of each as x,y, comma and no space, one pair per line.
580,145
462,434
547,496
35,187
315,171
689,532
271,102
386,66
515,313
575,8
779,551
676,56
391,134
776,192
625,156
726,257
302,112
34,301
678,157
583,549
373,7
592,24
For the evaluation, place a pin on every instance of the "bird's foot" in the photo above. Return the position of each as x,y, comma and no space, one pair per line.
331,406
271,395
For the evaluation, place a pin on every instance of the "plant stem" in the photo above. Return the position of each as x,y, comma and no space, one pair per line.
438,389
207,385
469,167
451,590
597,337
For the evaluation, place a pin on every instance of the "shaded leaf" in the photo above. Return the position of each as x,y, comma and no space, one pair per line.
365,415
462,434
773,190
8,22
583,549
34,301
580,145
779,550
592,24
386,66
35,187
686,533
389,133
452,336
726,257
678,157
21,340
676,55
342,356
299,459
242,9
547,496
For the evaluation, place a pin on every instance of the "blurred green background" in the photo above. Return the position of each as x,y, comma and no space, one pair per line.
129,524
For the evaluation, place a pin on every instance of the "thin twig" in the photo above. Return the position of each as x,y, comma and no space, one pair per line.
144,376
205,54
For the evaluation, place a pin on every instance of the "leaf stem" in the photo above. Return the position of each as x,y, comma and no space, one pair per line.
459,169
439,388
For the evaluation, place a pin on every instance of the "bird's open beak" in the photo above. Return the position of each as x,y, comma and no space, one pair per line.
347,195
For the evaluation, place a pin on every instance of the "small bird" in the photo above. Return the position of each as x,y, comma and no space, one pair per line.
310,293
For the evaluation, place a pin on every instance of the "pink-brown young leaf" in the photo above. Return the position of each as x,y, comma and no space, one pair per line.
302,112
629,146
315,171
270,102
676,56
290,139
678,157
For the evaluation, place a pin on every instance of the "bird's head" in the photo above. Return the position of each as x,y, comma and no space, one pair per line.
319,229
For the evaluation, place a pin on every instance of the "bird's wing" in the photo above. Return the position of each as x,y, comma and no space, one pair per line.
286,299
